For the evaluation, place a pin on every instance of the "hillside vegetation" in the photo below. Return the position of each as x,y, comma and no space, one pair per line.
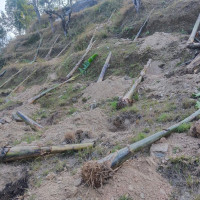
83,110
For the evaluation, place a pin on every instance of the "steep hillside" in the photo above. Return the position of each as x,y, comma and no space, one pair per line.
85,111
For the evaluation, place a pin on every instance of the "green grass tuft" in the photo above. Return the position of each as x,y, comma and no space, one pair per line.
183,128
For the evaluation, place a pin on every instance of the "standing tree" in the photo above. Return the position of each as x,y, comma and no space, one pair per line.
19,15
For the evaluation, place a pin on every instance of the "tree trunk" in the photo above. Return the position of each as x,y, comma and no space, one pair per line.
63,50
36,11
128,98
34,125
114,160
8,154
37,51
140,31
82,58
105,67
48,56
23,82
32,100
194,31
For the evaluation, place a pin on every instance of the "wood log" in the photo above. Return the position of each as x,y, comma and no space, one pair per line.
105,67
2,74
128,98
63,50
48,56
194,66
8,154
114,160
22,82
37,51
91,43
35,98
10,78
194,31
34,125
193,46
144,24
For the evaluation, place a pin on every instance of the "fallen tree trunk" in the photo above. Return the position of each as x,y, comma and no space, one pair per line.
144,24
32,100
10,78
37,51
2,74
48,56
91,171
128,98
194,31
194,46
8,154
194,66
34,125
83,57
63,50
23,82
106,65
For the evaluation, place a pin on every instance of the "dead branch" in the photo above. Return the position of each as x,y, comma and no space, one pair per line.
194,31
91,43
10,78
8,154
63,50
37,51
48,56
105,67
33,99
128,98
34,125
114,160
22,82
144,24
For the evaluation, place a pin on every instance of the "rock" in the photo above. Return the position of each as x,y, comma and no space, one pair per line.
78,182
71,192
93,105
159,150
195,130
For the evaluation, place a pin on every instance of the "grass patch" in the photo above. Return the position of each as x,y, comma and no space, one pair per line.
138,137
165,117
183,128
125,197
71,111
113,105
28,138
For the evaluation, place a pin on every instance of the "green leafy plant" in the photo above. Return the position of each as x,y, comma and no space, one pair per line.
87,63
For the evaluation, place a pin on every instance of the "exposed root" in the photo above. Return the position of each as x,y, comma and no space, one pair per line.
95,174
122,103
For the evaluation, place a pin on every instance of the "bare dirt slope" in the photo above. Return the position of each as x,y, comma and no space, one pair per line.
85,111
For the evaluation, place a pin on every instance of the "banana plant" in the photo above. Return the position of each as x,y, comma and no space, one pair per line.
87,63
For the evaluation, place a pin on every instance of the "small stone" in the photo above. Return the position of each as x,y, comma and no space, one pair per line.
159,150
16,118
